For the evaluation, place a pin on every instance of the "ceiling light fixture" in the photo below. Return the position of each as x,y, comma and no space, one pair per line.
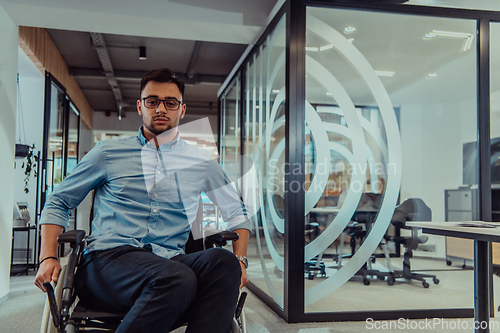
349,30
385,73
321,48
450,34
142,53
326,47
432,75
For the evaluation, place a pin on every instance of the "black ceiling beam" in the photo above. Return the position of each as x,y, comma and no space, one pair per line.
194,55
107,66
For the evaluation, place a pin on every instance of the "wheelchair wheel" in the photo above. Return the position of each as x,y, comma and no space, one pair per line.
47,325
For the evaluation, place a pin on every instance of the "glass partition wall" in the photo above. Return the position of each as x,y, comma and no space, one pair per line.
61,138
356,120
495,142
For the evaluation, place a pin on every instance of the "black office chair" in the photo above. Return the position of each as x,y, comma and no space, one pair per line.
69,316
413,209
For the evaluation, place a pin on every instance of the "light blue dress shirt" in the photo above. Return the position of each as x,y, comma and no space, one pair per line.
145,195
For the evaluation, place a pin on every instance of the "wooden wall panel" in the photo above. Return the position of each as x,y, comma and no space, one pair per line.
40,48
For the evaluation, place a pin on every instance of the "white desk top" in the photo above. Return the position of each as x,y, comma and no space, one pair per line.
487,231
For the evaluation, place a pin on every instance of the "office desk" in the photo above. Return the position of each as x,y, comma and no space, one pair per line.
481,237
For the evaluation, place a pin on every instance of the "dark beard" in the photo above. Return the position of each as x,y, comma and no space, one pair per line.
157,131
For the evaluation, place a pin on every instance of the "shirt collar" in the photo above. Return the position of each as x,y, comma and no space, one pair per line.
170,144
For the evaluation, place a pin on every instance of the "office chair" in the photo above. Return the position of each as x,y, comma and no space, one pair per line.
67,316
413,209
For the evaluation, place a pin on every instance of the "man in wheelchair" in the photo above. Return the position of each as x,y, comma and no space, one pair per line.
147,191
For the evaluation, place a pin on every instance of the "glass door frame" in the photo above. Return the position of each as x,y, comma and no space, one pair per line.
51,81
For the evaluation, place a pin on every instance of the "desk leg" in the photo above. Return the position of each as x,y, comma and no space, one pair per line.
481,285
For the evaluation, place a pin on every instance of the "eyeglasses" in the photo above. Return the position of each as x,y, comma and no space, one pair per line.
170,104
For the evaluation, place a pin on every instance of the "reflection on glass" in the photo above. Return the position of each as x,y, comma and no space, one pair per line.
73,132
388,112
55,163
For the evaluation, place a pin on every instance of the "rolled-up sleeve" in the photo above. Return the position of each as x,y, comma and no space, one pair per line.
88,174
222,193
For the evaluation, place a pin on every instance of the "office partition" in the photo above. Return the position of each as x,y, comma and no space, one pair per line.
348,110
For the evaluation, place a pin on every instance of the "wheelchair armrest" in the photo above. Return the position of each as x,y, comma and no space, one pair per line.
229,235
73,237
220,239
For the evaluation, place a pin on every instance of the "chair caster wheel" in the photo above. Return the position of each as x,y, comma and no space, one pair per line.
448,262
311,277
380,277
391,280
435,280
366,282
425,284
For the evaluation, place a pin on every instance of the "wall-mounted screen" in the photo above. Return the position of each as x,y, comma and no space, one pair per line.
470,162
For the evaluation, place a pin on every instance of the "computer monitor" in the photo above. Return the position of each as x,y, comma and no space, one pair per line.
471,165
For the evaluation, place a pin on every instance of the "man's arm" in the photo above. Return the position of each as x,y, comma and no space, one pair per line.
88,174
49,269
240,249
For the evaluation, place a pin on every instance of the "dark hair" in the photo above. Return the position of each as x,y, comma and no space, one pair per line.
162,75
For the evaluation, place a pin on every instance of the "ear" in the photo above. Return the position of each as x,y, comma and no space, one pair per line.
139,107
183,110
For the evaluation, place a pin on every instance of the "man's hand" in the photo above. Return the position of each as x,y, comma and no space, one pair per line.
48,271
244,278
240,249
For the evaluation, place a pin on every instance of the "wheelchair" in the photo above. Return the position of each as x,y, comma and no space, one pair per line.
63,314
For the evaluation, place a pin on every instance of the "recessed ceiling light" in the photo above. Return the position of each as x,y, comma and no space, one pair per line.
329,94
312,49
350,40
349,30
385,73
275,91
432,75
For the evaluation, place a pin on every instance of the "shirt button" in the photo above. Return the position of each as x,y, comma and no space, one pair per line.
156,195
159,172
155,210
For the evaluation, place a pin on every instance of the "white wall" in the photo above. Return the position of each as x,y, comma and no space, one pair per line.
29,131
8,74
29,117
432,138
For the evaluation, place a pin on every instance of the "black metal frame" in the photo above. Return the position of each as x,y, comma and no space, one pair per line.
50,80
294,10
295,155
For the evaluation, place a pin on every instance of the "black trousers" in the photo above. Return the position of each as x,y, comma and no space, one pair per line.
158,294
